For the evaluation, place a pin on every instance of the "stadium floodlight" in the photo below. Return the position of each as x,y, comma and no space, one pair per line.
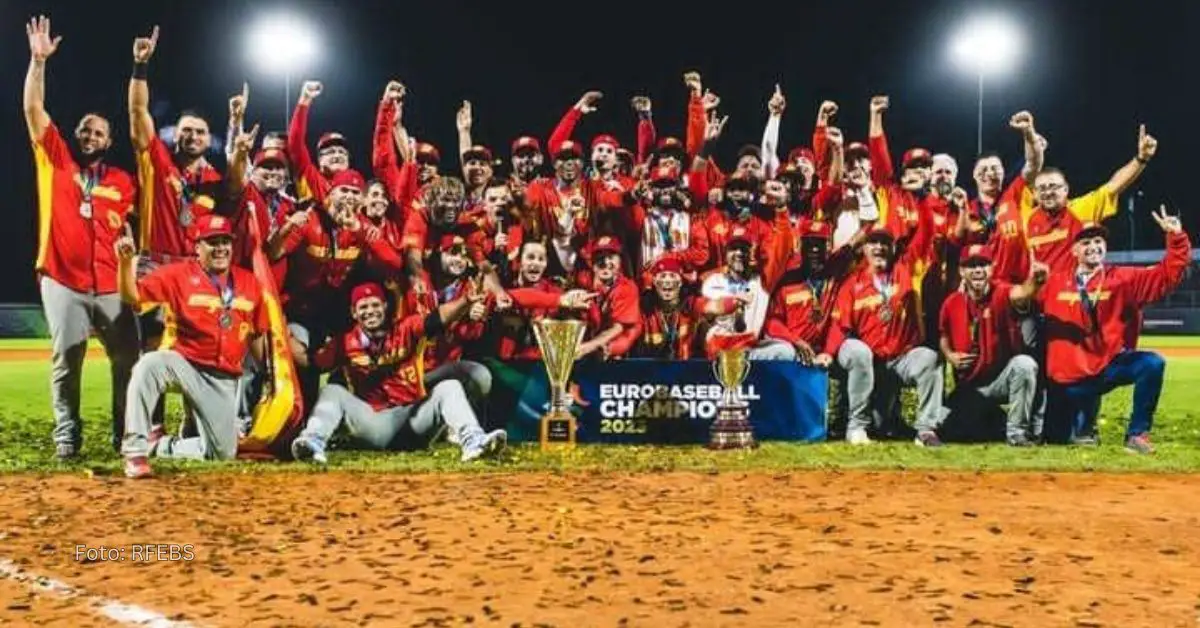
986,45
282,44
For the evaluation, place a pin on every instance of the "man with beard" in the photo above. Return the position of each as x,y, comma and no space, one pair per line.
667,228
669,319
566,205
83,204
390,404
876,333
981,340
527,162
176,188
739,208
614,320
740,281
272,207
439,211
533,297
333,155
1088,312
217,316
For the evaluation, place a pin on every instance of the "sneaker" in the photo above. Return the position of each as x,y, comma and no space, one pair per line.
66,451
927,439
305,449
137,468
1085,440
858,436
1020,440
1139,444
478,445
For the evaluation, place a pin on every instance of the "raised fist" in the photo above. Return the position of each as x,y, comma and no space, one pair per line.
464,119
1039,271
777,103
692,80
1022,121
828,110
958,198
41,45
310,90
879,104
143,47
641,104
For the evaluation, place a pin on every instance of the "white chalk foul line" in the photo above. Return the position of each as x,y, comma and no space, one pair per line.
120,612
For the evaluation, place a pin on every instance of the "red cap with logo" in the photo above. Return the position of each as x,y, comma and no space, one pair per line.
917,158
605,138
570,148
477,152
976,253
526,143
332,138
606,244
452,241
365,291
670,144
273,155
740,234
667,264
348,178
814,228
802,153
212,226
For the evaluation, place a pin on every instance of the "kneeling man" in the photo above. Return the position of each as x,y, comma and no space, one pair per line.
384,365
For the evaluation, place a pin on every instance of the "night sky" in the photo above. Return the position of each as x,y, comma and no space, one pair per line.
1089,74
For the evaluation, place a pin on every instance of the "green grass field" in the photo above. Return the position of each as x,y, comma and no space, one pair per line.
26,424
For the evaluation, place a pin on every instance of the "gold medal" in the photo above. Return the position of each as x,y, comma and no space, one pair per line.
885,313
85,209
816,314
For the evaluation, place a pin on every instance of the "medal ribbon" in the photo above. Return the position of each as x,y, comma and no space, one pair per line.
225,293
885,290
1089,305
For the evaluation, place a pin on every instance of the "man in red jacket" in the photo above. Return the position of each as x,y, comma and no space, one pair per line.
981,339
384,364
332,154
614,319
1088,312
83,204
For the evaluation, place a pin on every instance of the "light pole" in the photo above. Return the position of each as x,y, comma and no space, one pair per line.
282,44
987,45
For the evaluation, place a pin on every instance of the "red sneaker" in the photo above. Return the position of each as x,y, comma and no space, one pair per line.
1139,444
137,468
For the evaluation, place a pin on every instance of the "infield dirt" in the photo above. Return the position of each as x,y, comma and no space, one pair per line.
678,549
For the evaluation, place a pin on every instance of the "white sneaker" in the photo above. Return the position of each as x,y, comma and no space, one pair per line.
306,449
480,445
858,437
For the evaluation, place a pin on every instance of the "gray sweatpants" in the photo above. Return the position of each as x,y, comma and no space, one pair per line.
446,404
1016,385
772,349
213,398
918,367
71,317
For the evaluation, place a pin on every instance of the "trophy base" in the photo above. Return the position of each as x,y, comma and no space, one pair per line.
731,429
558,430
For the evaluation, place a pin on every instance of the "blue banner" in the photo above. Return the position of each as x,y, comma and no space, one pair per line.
659,402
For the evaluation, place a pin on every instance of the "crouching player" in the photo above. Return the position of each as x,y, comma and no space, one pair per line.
384,365
1088,313
213,313
980,337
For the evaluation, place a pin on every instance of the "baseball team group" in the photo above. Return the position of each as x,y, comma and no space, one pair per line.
392,289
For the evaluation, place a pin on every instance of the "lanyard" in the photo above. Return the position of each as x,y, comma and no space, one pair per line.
670,328
90,179
886,289
816,286
225,293
1089,305
975,318
373,346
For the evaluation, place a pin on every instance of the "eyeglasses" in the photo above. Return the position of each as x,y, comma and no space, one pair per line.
1050,187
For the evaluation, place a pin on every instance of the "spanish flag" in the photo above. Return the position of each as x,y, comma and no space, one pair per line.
279,414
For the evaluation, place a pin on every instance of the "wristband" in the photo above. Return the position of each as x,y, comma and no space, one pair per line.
140,70
1142,161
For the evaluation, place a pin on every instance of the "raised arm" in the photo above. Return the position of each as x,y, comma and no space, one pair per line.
770,138
126,262
1022,121
384,160
566,126
241,146
825,115
463,121
882,169
1155,282
297,141
41,47
141,124
643,107
1125,176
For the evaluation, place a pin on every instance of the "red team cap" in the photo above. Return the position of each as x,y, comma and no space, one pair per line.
801,153
270,155
427,153
917,158
976,253
348,178
790,171
570,149
213,226
815,228
606,244
452,241
671,145
664,174
526,144
365,291
477,152
332,138
740,234
667,264
857,149
880,233
605,138
1091,230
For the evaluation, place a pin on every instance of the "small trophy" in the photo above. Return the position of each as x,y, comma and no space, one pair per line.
558,340
731,429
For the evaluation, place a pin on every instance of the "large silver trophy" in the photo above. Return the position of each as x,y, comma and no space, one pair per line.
731,429
559,340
